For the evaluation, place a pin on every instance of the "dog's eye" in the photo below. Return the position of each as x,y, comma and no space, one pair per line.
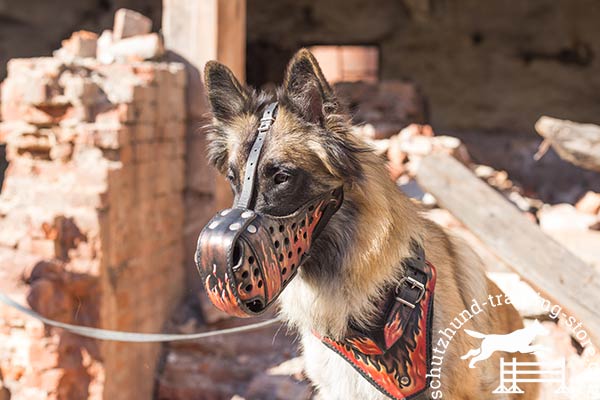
230,177
280,177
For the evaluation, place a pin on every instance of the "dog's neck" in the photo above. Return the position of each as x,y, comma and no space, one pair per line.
358,255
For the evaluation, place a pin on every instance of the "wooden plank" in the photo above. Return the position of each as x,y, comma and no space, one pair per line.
542,262
577,143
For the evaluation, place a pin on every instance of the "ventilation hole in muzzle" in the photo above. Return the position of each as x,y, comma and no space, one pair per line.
245,274
286,241
290,254
251,260
281,228
295,238
311,208
255,305
248,288
284,271
299,250
302,224
259,284
281,257
237,255
293,266
271,230
311,220
276,244
293,226
255,272
304,235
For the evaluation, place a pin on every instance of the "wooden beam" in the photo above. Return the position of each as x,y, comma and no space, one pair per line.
197,32
542,262
577,143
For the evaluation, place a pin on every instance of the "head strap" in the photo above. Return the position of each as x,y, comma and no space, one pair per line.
266,121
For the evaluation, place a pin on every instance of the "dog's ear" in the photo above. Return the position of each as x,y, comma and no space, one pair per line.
226,95
306,87
227,98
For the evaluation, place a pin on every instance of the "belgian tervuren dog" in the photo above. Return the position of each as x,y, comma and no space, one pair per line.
360,253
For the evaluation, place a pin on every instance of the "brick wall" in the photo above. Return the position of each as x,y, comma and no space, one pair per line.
91,221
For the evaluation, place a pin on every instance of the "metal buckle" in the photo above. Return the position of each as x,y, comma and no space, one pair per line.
265,124
414,284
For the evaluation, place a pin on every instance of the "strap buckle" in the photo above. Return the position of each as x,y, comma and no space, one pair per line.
414,284
265,124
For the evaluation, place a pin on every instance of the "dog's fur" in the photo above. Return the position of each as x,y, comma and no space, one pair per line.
309,150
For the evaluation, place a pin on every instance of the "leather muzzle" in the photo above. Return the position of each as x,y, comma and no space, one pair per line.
245,259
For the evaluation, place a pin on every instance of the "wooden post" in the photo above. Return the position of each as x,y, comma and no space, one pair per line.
547,266
196,31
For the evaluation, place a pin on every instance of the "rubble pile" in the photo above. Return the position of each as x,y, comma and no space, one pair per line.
91,216
576,226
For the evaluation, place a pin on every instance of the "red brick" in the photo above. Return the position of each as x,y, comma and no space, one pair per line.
138,48
43,354
43,115
145,132
174,130
51,379
120,113
130,23
81,44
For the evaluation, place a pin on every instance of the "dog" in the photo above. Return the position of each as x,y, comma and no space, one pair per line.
517,341
310,149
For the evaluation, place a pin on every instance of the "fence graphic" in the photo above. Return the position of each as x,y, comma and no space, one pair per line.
513,372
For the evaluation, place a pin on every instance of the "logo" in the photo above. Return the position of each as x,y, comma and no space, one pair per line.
575,377
517,341
513,372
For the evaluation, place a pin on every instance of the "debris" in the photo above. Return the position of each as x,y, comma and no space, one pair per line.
411,144
542,262
85,141
397,158
589,203
577,143
80,44
292,367
565,217
138,48
103,53
130,23
522,296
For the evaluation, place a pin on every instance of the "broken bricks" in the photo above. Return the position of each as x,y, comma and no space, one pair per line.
79,136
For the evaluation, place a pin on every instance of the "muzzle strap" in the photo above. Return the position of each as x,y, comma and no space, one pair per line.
246,258
266,121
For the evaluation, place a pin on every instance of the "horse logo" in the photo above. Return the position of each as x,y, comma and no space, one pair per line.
518,341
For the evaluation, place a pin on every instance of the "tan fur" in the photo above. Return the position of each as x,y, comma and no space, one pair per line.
384,224
387,221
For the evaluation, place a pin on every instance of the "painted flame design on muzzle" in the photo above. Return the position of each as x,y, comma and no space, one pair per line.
246,259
